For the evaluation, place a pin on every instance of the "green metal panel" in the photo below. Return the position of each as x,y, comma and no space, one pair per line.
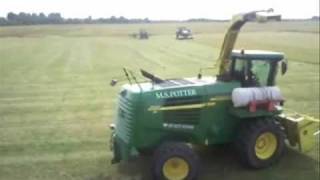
170,120
217,119
244,113
192,113
126,117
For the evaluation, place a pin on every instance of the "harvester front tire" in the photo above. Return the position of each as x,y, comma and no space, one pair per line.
260,143
175,161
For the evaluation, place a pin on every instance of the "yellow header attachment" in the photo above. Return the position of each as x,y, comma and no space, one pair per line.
301,130
231,36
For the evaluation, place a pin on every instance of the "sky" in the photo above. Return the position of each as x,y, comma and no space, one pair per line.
160,9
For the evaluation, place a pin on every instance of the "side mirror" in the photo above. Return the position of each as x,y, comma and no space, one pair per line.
284,67
113,82
199,76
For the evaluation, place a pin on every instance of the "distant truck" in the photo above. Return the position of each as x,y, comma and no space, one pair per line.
183,33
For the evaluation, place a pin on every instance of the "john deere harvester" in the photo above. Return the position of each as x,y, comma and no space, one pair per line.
241,106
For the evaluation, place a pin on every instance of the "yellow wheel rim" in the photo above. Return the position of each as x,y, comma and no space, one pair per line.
266,145
175,169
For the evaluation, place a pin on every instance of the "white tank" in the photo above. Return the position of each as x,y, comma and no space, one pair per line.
243,96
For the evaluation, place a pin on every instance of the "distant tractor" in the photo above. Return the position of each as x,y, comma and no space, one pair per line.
241,106
143,34
183,33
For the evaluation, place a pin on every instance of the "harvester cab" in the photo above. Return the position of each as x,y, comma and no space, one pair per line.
255,68
240,106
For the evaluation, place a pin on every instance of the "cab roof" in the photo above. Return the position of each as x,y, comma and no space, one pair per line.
257,55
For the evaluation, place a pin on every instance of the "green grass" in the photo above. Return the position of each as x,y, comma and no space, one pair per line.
56,102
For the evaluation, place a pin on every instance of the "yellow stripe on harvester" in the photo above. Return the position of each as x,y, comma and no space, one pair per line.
220,98
155,109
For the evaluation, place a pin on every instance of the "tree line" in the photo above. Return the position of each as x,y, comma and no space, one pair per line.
23,18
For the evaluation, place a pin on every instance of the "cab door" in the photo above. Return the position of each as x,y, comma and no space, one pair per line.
218,121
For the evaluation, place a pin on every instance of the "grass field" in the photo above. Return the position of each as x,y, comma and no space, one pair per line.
56,102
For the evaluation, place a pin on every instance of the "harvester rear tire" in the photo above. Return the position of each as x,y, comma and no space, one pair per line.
260,143
175,161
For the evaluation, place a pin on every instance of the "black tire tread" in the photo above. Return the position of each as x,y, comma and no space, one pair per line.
170,149
244,141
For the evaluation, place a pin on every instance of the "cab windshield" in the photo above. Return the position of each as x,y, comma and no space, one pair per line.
253,72
260,69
